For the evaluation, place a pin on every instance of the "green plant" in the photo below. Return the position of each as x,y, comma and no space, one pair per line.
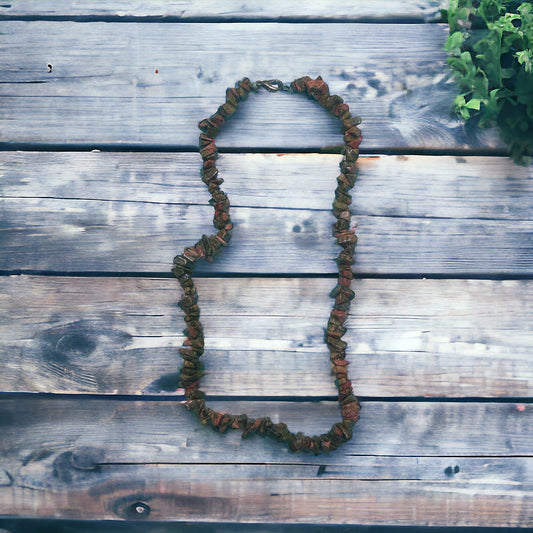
491,54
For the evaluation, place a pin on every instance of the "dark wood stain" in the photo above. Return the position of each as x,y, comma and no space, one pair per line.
60,343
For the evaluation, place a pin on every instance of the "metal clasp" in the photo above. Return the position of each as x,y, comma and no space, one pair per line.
272,85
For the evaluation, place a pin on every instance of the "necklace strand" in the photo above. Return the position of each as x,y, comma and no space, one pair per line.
208,247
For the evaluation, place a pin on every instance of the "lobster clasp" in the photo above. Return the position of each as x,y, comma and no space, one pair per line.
272,85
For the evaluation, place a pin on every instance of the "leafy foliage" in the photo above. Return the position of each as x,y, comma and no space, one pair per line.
491,53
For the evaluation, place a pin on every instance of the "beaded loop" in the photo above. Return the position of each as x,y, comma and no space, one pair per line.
208,247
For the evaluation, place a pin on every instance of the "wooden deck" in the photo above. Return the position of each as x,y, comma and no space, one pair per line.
100,186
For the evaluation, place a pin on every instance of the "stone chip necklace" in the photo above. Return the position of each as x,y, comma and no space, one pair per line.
209,247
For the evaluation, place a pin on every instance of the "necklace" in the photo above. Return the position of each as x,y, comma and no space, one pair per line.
209,247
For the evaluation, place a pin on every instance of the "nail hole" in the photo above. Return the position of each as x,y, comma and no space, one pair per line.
296,228
49,67
157,71
139,510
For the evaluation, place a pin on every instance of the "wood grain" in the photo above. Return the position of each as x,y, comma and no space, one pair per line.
140,431
95,458
150,84
86,214
396,186
136,75
99,236
444,338
229,9
169,497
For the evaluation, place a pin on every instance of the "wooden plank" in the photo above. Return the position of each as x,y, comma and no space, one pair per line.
83,212
397,186
444,338
158,432
228,9
139,84
165,495
82,458
88,235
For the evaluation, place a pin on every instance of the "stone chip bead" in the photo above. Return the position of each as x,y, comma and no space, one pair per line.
209,247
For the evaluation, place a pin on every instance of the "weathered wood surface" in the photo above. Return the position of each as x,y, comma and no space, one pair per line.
164,431
411,10
447,338
82,458
106,212
170,494
87,236
150,84
82,78
491,188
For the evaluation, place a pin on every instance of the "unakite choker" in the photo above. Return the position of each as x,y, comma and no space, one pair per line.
208,247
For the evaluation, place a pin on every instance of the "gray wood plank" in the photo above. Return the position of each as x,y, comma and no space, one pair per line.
165,432
88,235
444,338
228,9
150,84
86,458
79,212
397,186
167,494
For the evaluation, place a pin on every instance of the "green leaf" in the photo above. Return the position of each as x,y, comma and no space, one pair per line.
460,101
525,57
491,54
474,103
455,40
525,9
488,57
